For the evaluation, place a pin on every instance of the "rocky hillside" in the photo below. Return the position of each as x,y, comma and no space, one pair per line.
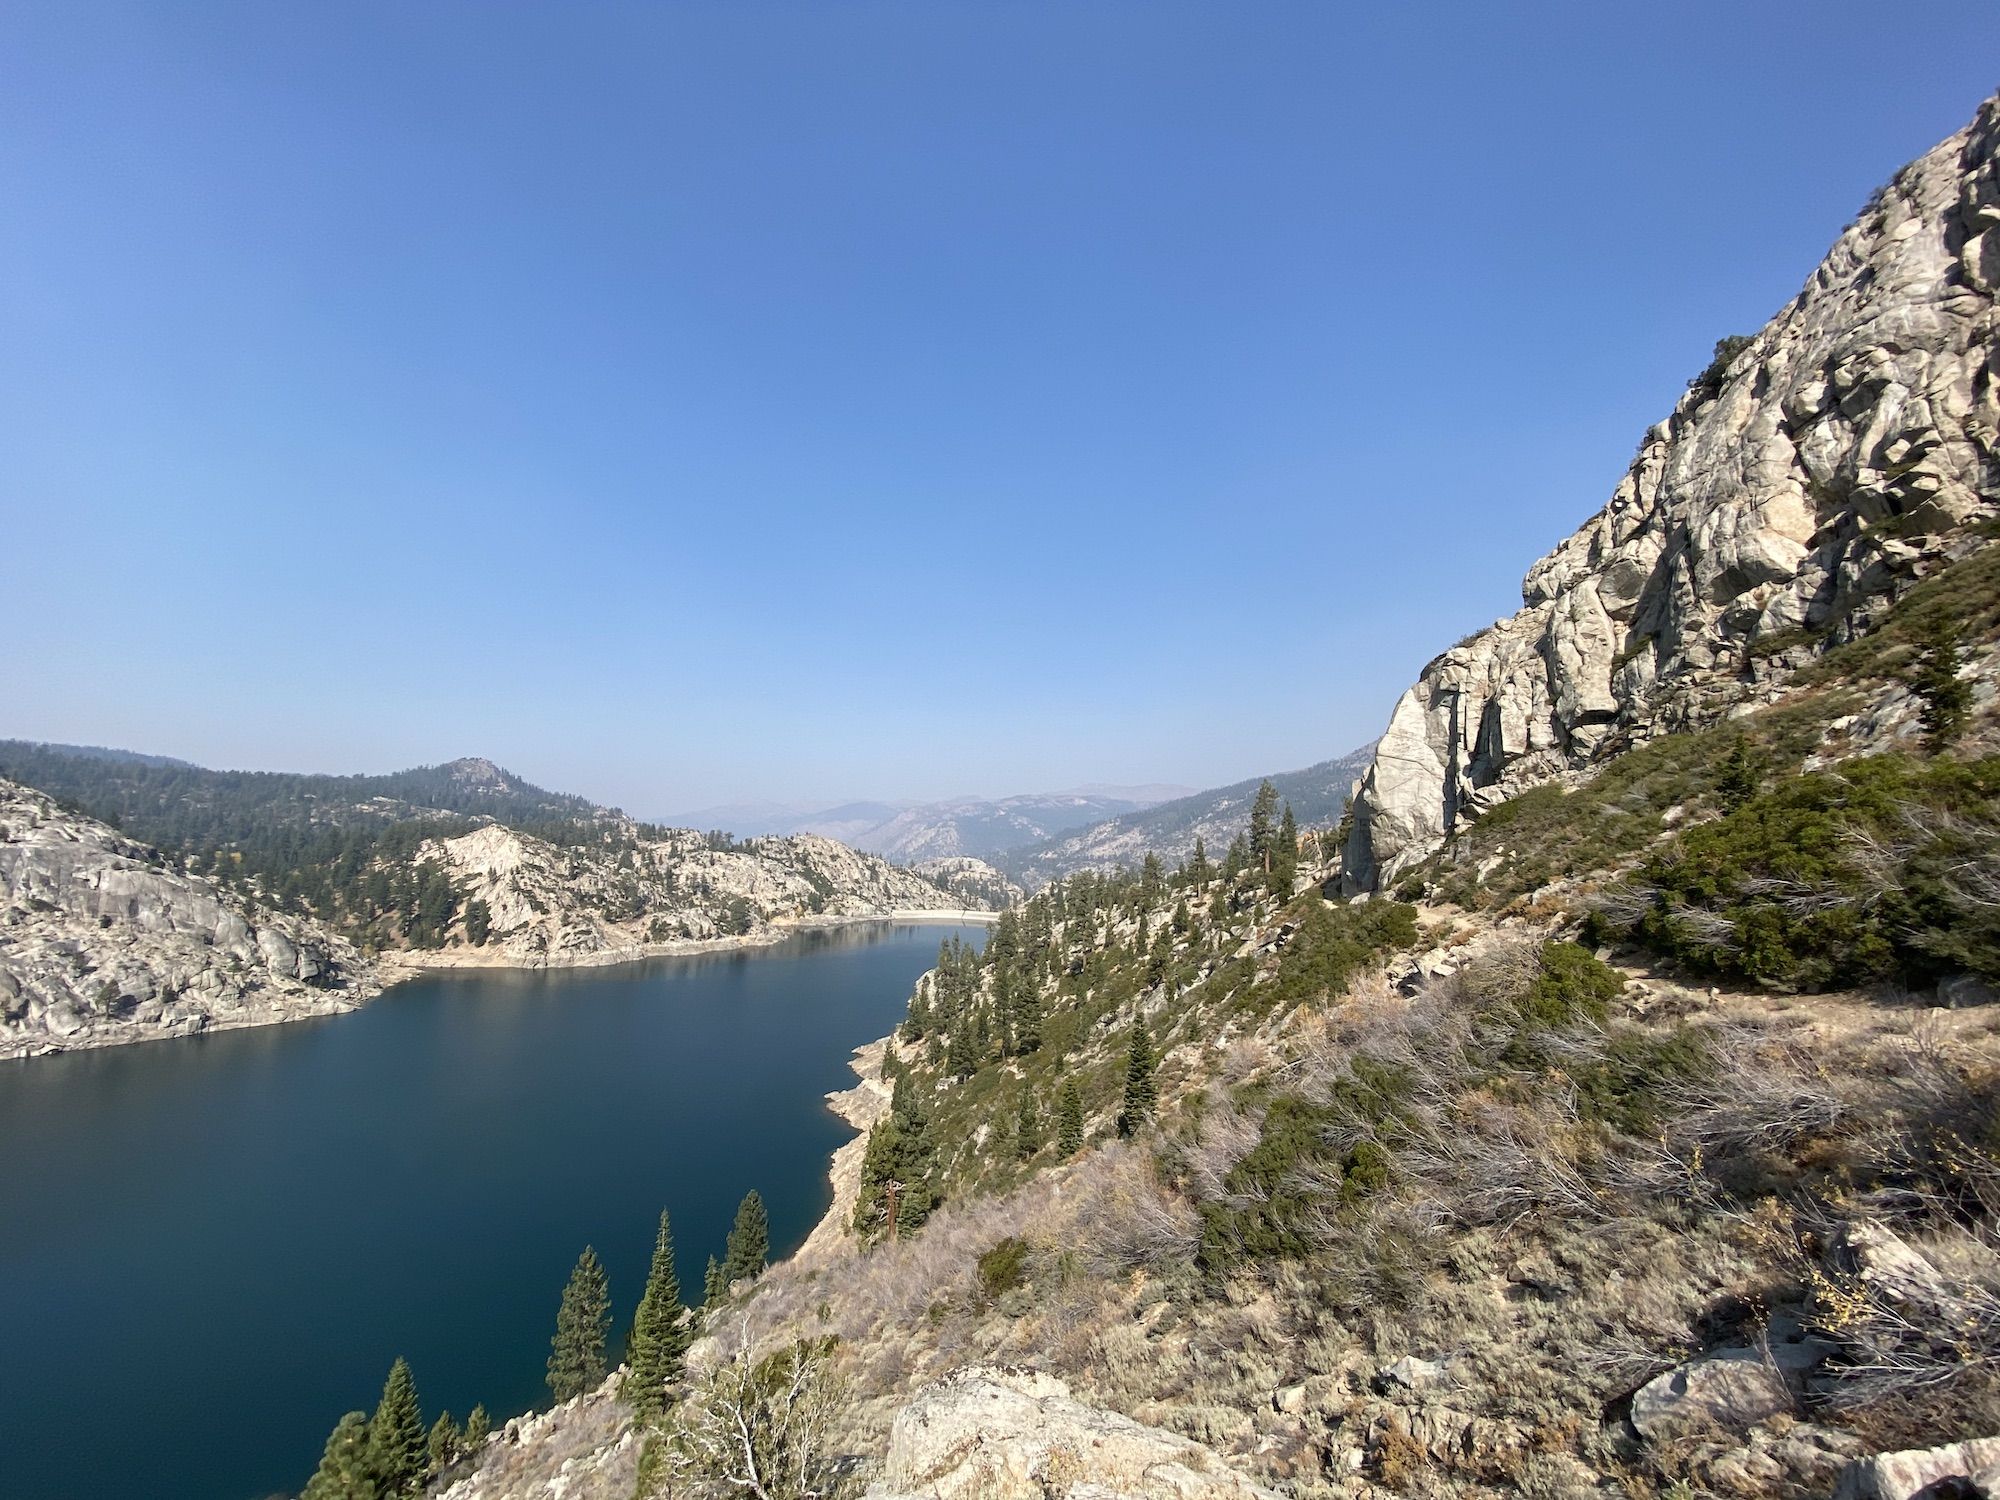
1650,1148
623,889
1802,484
1317,795
973,881
468,863
101,941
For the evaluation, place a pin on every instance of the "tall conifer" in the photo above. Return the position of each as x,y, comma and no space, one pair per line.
714,1290
443,1445
749,1247
1027,1126
347,1469
659,1338
583,1324
396,1434
1140,1092
1069,1121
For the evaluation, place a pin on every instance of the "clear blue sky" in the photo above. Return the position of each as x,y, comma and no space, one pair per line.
683,402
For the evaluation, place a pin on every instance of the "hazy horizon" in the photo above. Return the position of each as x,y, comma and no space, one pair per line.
717,403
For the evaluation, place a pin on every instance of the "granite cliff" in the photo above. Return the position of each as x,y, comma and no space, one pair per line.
1799,487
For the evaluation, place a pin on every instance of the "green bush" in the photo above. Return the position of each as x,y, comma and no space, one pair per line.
1837,877
1334,943
1284,1181
1573,985
1003,1267
1623,1090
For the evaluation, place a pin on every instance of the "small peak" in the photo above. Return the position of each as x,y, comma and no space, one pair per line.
478,771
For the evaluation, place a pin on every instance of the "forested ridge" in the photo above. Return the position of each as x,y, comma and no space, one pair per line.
343,849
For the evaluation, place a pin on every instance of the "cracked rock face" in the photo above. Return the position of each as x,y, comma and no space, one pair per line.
987,1434
1849,450
101,941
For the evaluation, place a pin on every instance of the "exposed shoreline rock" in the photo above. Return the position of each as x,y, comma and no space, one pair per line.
102,942
411,963
861,1107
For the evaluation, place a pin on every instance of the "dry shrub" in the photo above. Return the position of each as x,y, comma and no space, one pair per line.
1921,1357
1124,1219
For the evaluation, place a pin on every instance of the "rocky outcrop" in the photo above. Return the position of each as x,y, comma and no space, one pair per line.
989,1434
585,1448
1848,450
102,941
1958,1470
622,891
973,881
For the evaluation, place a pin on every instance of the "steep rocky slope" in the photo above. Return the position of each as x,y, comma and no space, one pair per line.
1317,796
1848,451
101,942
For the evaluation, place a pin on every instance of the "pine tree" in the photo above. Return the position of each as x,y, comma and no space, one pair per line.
714,1289
1946,698
1198,870
1140,1093
1027,1126
1285,856
899,1151
444,1441
1027,1016
651,1476
749,1247
1069,1122
477,1425
659,1340
583,1324
1739,777
959,1059
347,1468
396,1434
1261,812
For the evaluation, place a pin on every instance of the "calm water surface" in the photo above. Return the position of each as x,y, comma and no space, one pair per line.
211,1248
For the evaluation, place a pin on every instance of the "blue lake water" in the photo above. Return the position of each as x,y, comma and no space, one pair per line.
211,1248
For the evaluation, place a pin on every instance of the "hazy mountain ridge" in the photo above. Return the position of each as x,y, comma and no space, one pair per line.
1317,796
973,827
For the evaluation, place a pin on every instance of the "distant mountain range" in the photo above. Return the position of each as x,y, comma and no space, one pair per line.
974,827
1169,829
1041,837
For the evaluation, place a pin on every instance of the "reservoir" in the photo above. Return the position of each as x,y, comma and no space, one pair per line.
211,1248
